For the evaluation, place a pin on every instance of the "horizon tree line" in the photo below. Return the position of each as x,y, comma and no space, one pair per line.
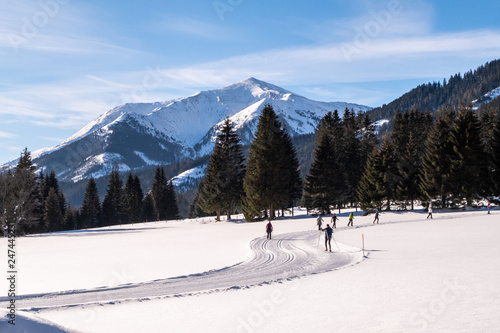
34,203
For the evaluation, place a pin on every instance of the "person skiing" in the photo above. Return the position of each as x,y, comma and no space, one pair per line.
429,210
334,221
319,222
269,229
489,207
351,219
328,237
376,217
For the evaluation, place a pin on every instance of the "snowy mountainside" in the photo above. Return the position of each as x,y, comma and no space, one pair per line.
486,98
135,135
189,178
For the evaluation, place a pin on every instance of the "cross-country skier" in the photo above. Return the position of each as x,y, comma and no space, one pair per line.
269,229
429,210
489,207
351,219
319,222
334,221
376,217
328,237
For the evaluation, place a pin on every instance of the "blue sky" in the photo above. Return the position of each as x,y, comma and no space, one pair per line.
65,62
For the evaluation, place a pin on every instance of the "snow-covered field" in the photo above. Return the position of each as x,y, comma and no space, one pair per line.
419,275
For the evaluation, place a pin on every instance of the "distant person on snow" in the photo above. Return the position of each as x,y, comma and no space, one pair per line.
269,229
334,221
376,217
489,207
429,210
328,237
319,222
351,219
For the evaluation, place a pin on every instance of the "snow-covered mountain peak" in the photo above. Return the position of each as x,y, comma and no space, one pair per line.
135,135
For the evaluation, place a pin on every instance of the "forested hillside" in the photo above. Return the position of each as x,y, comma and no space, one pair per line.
458,89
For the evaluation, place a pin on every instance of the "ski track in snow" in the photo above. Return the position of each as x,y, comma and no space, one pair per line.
285,257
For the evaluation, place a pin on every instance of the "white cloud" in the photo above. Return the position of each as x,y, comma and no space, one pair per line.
7,135
378,60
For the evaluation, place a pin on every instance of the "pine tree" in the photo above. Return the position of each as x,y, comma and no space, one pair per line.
408,136
91,207
195,209
434,175
468,162
71,218
488,123
350,155
133,199
172,208
222,185
387,188
53,217
368,139
51,182
495,159
263,178
325,184
25,206
112,205
407,187
368,189
291,184
159,194
149,211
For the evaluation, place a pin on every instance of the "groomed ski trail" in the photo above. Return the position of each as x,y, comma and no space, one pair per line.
284,257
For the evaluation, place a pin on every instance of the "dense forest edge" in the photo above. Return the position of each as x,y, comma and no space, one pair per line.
441,147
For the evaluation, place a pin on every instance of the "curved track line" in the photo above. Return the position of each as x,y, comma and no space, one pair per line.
282,258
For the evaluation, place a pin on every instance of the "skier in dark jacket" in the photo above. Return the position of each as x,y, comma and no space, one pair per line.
328,237
334,221
269,229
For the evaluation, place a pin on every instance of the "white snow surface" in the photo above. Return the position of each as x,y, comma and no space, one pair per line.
418,275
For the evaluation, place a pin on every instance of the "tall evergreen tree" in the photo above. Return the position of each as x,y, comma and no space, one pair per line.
71,218
172,208
112,205
149,211
350,155
25,206
434,175
51,182
495,159
325,185
407,186
368,189
133,199
159,194
488,122
222,185
368,139
291,184
263,178
468,161
195,209
91,207
53,217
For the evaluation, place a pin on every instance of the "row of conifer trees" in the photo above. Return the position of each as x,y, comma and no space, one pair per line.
34,203
450,158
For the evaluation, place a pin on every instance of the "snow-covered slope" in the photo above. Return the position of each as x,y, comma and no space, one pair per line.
135,135
486,98
419,275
